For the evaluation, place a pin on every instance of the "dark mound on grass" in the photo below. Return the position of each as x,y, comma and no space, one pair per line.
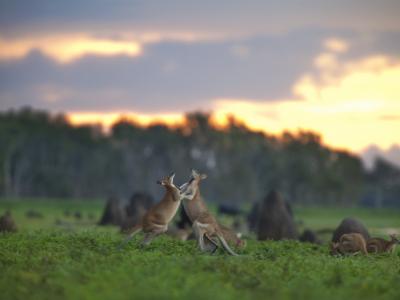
252,217
309,236
113,214
350,225
275,220
138,205
33,214
229,209
184,220
7,223
78,215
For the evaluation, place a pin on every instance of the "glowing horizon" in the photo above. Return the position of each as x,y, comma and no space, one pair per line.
106,120
351,105
218,119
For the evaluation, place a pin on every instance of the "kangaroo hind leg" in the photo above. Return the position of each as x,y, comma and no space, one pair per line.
200,231
210,244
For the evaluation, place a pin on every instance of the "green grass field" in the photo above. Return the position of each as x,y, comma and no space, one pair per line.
78,260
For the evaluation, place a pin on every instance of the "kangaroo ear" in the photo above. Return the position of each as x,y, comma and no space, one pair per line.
171,178
195,174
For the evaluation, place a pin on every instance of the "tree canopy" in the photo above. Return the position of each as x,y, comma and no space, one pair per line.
43,155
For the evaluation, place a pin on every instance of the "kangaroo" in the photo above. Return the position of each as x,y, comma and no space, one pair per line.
350,243
196,206
156,219
379,245
350,225
7,223
206,228
232,237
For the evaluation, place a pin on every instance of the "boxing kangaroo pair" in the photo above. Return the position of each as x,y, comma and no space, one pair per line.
208,232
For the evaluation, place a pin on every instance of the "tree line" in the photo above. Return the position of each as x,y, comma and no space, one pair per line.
43,155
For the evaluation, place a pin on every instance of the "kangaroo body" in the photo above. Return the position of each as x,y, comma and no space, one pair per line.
197,207
231,236
7,223
350,225
351,243
379,245
161,213
156,219
206,228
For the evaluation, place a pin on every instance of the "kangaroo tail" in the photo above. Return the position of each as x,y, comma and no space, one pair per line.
226,246
134,231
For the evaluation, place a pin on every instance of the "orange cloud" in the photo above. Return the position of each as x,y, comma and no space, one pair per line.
347,108
68,48
65,48
336,45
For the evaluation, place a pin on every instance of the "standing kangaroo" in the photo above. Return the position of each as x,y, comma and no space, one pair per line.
204,223
379,245
350,243
156,219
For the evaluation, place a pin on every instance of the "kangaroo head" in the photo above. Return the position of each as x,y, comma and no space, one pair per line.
394,239
168,183
190,188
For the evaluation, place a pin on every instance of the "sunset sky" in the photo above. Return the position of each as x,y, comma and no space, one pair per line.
328,66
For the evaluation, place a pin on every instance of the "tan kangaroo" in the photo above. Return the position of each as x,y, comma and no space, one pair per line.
204,223
350,243
232,237
379,245
156,219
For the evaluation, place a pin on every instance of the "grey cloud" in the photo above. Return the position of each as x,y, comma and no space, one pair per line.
229,16
176,76
169,76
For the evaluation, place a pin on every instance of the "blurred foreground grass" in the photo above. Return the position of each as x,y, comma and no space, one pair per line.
51,264
44,261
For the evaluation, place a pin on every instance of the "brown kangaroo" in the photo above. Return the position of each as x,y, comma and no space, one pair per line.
350,243
379,245
232,237
156,219
7,223
204,223
207,226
